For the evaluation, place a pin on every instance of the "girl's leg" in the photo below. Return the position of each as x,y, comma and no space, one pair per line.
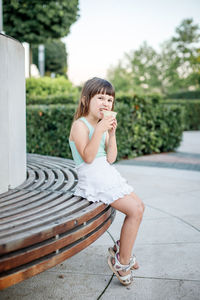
133,208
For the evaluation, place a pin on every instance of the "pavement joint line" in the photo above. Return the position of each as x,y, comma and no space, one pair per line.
108,275
172,279
176,217
109,282
135,276
188,191
79,273
175,243
154,219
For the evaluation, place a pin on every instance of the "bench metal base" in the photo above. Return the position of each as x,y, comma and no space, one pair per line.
42,223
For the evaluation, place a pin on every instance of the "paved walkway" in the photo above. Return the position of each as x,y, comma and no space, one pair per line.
187,156
167,246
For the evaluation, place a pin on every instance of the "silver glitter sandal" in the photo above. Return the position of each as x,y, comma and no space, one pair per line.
115,249
117,266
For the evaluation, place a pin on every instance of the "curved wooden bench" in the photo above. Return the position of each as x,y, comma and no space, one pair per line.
42,223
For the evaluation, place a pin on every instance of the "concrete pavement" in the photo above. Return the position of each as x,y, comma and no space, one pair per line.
167,246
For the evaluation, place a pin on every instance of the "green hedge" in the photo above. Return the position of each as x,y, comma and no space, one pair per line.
146,127
48,129
191,107
48,90
192,112
185,95
143,127
68,98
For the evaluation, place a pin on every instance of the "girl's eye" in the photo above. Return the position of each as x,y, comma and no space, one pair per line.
110,100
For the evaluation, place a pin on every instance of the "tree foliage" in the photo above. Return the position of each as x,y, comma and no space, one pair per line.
176,67
36,21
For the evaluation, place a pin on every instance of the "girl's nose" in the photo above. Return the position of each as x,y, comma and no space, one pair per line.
105,103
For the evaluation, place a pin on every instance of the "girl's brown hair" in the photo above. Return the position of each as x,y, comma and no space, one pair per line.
91,88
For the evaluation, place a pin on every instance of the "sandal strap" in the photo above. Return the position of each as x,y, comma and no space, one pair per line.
132,261
128,277
118,266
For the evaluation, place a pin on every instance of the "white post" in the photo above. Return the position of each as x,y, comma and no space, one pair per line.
12,114
41,59
1,17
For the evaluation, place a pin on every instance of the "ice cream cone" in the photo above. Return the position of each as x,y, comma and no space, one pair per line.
107,113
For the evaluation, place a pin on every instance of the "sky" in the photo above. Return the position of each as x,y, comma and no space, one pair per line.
107,29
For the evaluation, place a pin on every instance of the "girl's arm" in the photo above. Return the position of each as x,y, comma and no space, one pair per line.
111,144
80,134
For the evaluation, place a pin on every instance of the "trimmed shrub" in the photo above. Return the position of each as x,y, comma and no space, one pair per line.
146,127
48,128
185,95
53,99
192,112
143,127
48,90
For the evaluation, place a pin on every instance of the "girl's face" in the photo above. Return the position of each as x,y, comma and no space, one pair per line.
98,103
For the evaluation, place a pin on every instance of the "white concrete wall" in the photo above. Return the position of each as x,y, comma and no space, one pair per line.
12,114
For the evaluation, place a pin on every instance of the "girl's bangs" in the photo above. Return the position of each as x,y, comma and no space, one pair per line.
105,88
108,90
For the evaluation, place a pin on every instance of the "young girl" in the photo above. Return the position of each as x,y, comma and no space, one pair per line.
93,144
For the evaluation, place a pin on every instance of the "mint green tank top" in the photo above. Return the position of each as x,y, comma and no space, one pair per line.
75,154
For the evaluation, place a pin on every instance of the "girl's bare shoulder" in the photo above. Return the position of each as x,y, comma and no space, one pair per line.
78,127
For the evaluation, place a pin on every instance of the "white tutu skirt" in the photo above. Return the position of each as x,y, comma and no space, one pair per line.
100,181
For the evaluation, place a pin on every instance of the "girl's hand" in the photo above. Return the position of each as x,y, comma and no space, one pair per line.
106,124
112,131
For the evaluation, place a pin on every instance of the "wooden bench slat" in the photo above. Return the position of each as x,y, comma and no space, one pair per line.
31,177
39,181
63,210
50,179
43,264
60,180
23,199
42,223
20,257
38,211
5,196
48,216
17,194
49,230
34,201
70,181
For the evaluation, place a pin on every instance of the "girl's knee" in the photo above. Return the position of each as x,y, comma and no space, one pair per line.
140,211
137,208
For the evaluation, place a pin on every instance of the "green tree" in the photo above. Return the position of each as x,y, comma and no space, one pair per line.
175,68
37,21
121,78
55,57
187,34
180,58
187,44
139,72
169,63
143,64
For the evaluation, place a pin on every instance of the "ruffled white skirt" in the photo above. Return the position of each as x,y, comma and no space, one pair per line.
100,181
